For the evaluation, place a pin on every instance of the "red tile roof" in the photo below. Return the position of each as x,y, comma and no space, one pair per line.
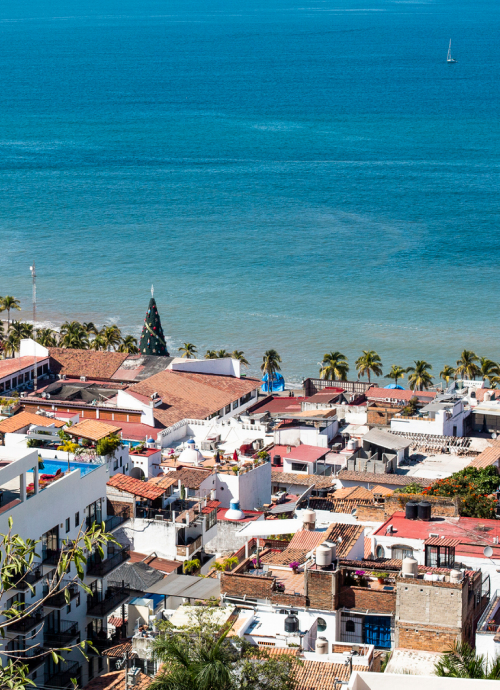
211,505
8,367
374,478
192,477
490,456
442,541
320,482
116,681
480,393
91,363
136,487
307,540
93,429
276,404
401,396
321,675
193,396
163,565
134,431
120,649
18,421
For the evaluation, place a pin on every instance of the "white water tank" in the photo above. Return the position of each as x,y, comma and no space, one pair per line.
323,556
409,567
487,396
309,519
455,576
321,645
333,548
352,444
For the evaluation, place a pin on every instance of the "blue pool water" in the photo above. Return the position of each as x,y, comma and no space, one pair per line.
51,467
307,176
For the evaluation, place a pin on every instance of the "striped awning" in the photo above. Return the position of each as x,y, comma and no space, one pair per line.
442,541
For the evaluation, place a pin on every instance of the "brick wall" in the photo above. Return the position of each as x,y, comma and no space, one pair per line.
381,415
289,599
366,599
125,509
376,513
443,506
322,589
239,585
425,638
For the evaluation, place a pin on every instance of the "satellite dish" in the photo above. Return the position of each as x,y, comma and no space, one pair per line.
488,551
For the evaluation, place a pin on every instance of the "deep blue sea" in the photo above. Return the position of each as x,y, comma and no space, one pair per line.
307,175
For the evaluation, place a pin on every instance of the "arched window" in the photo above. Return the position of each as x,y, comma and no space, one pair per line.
379,552
401,551
349,626
321,624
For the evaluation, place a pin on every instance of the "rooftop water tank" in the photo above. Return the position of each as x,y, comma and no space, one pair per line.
409,567
424,511
352,444
333,548
291,624
455,576
234,512
309,518
321,645
411,510
276,461
323,556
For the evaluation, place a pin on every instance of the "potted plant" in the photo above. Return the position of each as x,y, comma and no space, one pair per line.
380,577
295,565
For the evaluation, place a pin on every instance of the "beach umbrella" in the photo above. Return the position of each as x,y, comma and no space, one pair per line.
235,456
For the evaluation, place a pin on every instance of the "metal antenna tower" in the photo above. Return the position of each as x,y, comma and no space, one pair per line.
35,376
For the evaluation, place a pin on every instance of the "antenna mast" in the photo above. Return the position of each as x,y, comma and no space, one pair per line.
35,376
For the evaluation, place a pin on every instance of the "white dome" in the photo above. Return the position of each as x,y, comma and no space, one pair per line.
191,456
234,512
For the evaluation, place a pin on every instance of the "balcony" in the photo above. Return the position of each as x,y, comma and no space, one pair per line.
51,556
114,521
99,567
101,604
26,624
61,675
23,580
60,599
187,550
33,658
61,634
101,642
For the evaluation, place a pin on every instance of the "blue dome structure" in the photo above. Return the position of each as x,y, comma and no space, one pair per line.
277,384
394,386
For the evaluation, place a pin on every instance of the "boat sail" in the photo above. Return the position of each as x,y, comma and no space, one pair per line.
448,57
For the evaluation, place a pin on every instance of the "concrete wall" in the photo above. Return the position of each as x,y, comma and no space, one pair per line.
227,540
361,680
252,489
220,367
149,536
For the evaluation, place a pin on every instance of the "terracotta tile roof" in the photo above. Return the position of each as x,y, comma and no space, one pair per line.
321,675
279,651
211,505
161,564
165,481
382,490
394,394
372,477
284,557
116,681
306,540
480,393
438,541
116,621
195,396
191,477
136,487
120,649
12,424
90,363
12,366
490,456
349,535
320,482
93,429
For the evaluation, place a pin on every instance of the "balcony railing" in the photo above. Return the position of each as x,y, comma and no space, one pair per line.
51,556
33,657
99,567
60,598
114,521
60,634
101,643
27,623
102,603
61,675
23,580
185,551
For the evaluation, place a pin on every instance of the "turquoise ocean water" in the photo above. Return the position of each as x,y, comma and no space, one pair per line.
306,175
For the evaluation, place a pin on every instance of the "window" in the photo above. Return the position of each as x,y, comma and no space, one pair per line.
77,519
121,461
379,552
299,467
14,382
349,626
321,624
439,556
245,398
211,519
115,464
401,552
68,525
228,409
235,404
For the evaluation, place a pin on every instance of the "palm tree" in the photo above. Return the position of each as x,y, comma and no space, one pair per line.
7,303
240,356
419,378
129,344
18,331
222,354
112,336
447,373
46,337
270,365
488,369
334,366
462,661
11,345
396,373
211,354
191,565
90,328
98,343
74,335
466,365
367,363
189,350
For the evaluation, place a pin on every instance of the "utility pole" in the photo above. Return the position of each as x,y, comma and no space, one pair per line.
35,375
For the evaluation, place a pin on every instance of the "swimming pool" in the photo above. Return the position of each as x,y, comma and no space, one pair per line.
51,466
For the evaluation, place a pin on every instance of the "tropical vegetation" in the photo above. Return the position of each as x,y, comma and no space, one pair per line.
474,486
334,366
396,373
369,363
270,365
188,350
447,373
7,304
420,379
462,661
467,367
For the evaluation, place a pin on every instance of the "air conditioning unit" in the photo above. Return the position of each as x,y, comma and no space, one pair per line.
432,535
83,378
23,394
63,377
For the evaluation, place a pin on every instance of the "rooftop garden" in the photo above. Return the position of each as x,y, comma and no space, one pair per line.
475,487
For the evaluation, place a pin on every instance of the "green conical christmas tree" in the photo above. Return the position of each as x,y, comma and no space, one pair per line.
152,339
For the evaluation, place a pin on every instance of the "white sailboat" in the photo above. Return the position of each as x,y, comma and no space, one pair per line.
448,57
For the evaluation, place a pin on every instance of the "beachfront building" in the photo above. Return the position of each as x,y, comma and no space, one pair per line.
18,373
62,501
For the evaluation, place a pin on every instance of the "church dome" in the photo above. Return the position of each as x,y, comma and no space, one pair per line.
191,455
